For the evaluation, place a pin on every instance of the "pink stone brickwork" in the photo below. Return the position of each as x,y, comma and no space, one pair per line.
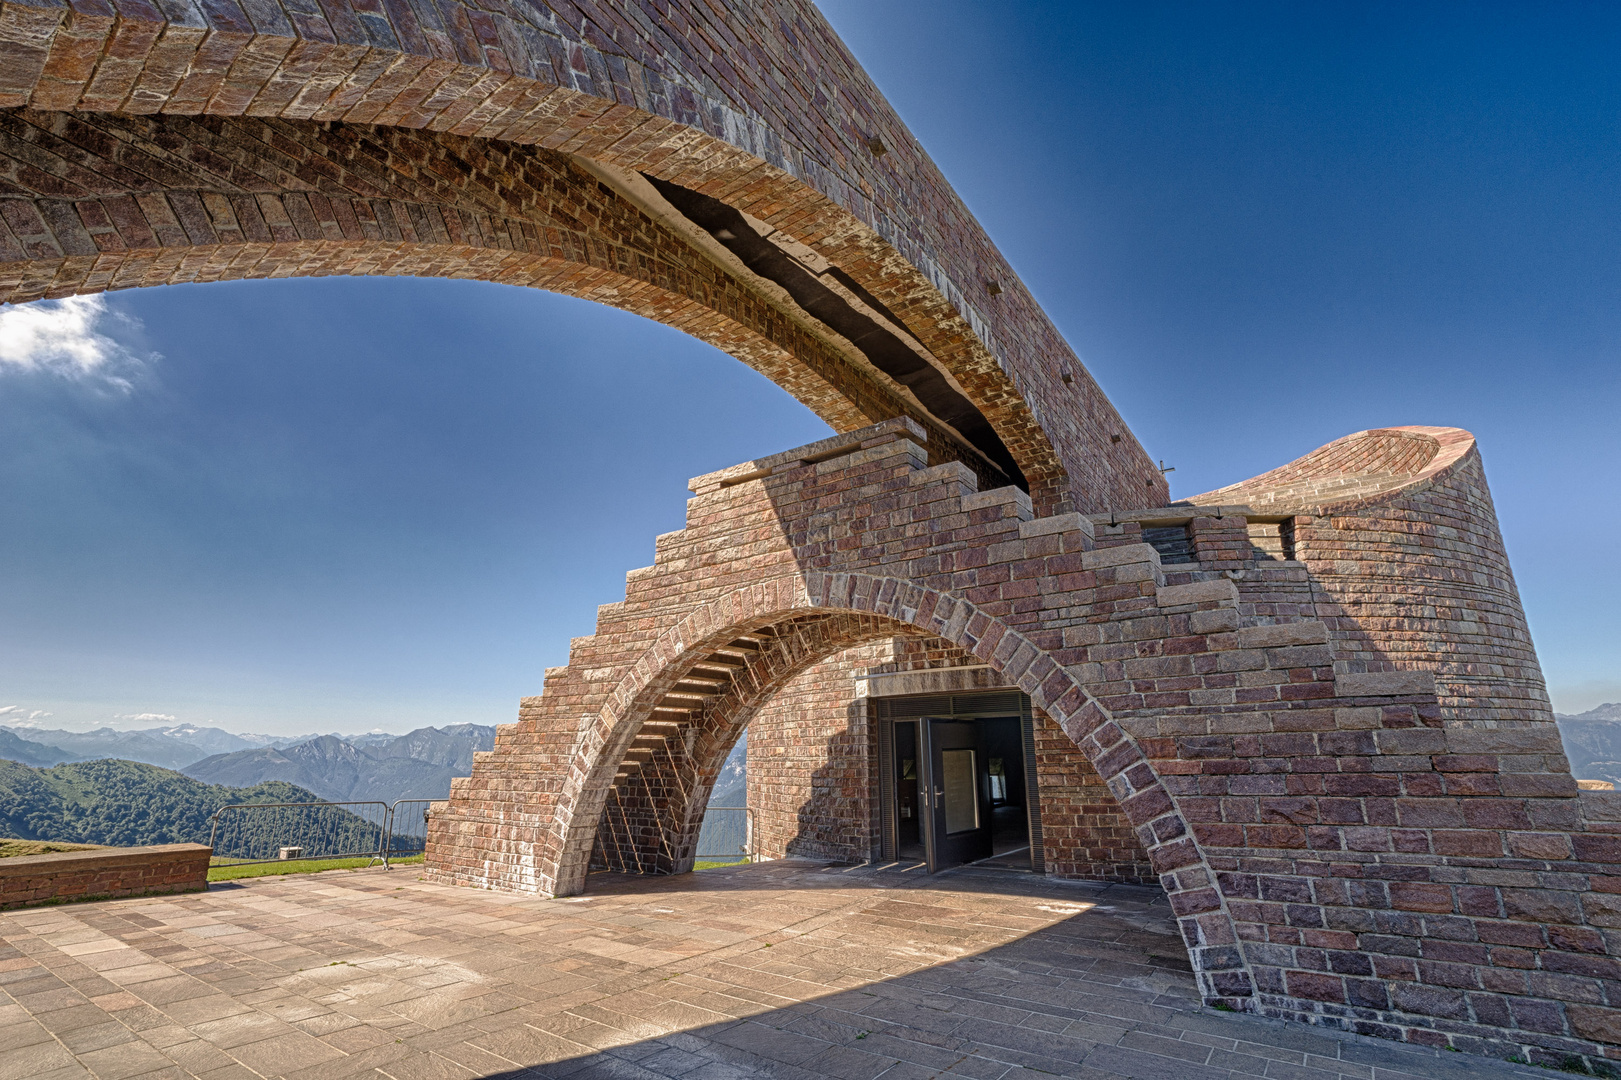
1308,704
1334,833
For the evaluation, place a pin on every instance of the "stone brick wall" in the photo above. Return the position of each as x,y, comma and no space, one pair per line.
27,880
1335,847
1084,833
811,762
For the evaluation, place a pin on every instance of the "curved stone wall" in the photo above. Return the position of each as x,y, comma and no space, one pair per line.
1398,537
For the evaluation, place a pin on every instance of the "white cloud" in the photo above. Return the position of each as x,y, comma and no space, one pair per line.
20,715
146,717
66,338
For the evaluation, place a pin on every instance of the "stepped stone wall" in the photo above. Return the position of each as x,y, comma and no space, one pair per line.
1341,842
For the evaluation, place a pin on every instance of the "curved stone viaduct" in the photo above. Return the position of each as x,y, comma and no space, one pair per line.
1307,704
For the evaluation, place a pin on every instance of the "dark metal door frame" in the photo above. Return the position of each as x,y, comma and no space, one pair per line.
978,705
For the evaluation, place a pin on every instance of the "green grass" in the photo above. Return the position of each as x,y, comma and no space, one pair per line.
9,848
706,864
225,870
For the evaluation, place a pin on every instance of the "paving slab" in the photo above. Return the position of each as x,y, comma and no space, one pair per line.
792,970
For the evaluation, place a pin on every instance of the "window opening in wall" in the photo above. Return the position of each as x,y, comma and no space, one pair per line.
1172,542
726,835
1271,540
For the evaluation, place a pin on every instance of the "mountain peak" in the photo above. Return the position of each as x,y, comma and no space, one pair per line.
1608,711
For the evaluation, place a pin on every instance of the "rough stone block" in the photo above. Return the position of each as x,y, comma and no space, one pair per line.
1058,523
1217,621
1384,684
1010,497
1221,591
1602,806
1124,555
1283,634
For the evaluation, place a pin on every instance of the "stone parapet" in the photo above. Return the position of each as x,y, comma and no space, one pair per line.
28,880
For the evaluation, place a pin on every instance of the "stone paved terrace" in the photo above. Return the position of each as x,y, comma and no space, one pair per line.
787,969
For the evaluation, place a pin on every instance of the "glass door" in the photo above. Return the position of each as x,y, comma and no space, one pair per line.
959,817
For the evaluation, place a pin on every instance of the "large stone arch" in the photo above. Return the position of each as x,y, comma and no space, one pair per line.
778,122
141,201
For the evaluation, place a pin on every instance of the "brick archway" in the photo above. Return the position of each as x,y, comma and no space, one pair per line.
110,202
792,622
817,174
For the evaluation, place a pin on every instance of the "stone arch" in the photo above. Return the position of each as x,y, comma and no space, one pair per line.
653,812
778,122
876,606
187,200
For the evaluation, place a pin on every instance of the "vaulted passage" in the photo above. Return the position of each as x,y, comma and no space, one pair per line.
821,759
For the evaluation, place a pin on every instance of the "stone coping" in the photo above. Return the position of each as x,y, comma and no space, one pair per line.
65,876
58,861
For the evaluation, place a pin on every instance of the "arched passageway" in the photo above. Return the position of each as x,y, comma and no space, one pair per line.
819,753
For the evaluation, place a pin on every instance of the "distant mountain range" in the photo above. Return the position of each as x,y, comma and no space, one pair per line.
1593,742
732,785
415,766
336,767
27,752
172,747
723,836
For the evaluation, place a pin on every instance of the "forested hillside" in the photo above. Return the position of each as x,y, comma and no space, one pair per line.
121,803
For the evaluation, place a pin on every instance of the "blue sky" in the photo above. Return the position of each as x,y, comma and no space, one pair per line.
343,504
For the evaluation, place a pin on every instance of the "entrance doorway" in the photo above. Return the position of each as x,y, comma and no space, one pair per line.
958,787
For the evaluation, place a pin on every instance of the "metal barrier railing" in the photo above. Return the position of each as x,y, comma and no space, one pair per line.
408,827
728,837
244,833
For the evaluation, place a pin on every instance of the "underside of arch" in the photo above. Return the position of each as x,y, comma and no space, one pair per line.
103,202
797,138
655,802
